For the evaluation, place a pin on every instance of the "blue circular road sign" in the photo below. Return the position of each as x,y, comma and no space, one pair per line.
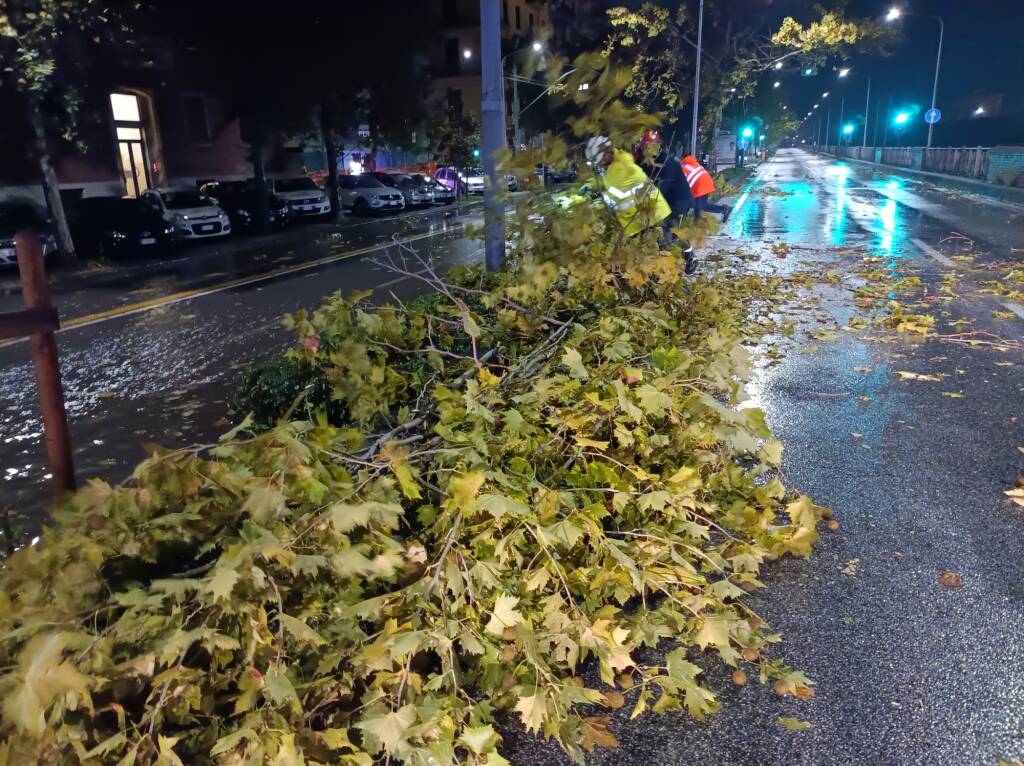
932,116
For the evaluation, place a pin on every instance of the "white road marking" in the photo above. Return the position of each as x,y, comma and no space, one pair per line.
1016,308
929,250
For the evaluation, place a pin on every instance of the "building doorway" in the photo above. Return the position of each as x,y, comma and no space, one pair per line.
131,142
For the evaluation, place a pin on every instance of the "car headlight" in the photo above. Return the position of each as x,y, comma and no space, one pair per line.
168,230
244,212
180,218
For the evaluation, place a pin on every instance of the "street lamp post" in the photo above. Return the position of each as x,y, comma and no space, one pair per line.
896,13
867,102
696,80
537,47
842,107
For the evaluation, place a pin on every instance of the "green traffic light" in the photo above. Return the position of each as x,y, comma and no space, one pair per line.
476,152
902,118
847,129
748,132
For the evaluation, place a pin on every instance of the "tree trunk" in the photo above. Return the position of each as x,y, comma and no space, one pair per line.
332,159
51,187
257,142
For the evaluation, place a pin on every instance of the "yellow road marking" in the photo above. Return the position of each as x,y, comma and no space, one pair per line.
184,295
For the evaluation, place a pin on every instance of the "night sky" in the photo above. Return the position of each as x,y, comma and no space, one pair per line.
982,60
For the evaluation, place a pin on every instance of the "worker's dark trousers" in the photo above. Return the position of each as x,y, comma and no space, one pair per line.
702,205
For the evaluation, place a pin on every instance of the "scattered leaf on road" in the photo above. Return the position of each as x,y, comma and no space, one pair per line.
1016,495
850,569
739,678
794,724
953,394
917,376
951,579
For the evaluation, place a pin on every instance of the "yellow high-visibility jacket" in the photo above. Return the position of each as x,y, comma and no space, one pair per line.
636,200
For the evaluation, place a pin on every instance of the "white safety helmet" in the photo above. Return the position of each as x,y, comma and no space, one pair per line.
596,147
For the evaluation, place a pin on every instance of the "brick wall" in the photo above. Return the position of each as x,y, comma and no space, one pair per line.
1005,163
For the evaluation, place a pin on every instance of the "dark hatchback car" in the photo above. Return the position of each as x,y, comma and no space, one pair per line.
238,199
122,228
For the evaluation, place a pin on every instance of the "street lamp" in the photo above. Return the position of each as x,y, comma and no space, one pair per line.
825,94
776,84
467,53
816,106
845,72
979,111
895,13
537,46
778,65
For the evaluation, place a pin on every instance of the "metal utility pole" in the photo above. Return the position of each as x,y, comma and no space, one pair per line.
828,122
885,130
696,80
515,108
935,84
842,108
867,107
492,132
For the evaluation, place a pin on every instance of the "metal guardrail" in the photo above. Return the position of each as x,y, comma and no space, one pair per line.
965,162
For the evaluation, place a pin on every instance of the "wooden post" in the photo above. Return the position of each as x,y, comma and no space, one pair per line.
43,345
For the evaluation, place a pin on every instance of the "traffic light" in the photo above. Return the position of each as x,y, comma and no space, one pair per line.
901,118
847,128
747,132
476,152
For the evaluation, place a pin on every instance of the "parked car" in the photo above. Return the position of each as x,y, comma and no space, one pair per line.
469,180
439,193
17,213
239,201
119,227
363,194
193,214
303,196
548,174
416,192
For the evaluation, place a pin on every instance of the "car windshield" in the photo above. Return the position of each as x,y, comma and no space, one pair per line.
422,179
294,184
178,200
402,179
366,182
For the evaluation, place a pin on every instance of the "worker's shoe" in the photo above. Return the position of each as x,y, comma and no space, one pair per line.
726,214
691,262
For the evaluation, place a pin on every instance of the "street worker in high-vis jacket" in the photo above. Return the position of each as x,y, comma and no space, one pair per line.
626,188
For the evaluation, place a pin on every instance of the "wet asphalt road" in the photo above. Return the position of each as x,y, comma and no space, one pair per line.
908,672
160,372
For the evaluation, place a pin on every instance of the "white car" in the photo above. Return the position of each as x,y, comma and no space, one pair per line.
193,214
303,196
364,194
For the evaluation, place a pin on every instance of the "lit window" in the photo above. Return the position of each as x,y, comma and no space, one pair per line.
125,107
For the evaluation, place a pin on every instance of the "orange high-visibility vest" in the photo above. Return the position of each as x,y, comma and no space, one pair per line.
700,180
